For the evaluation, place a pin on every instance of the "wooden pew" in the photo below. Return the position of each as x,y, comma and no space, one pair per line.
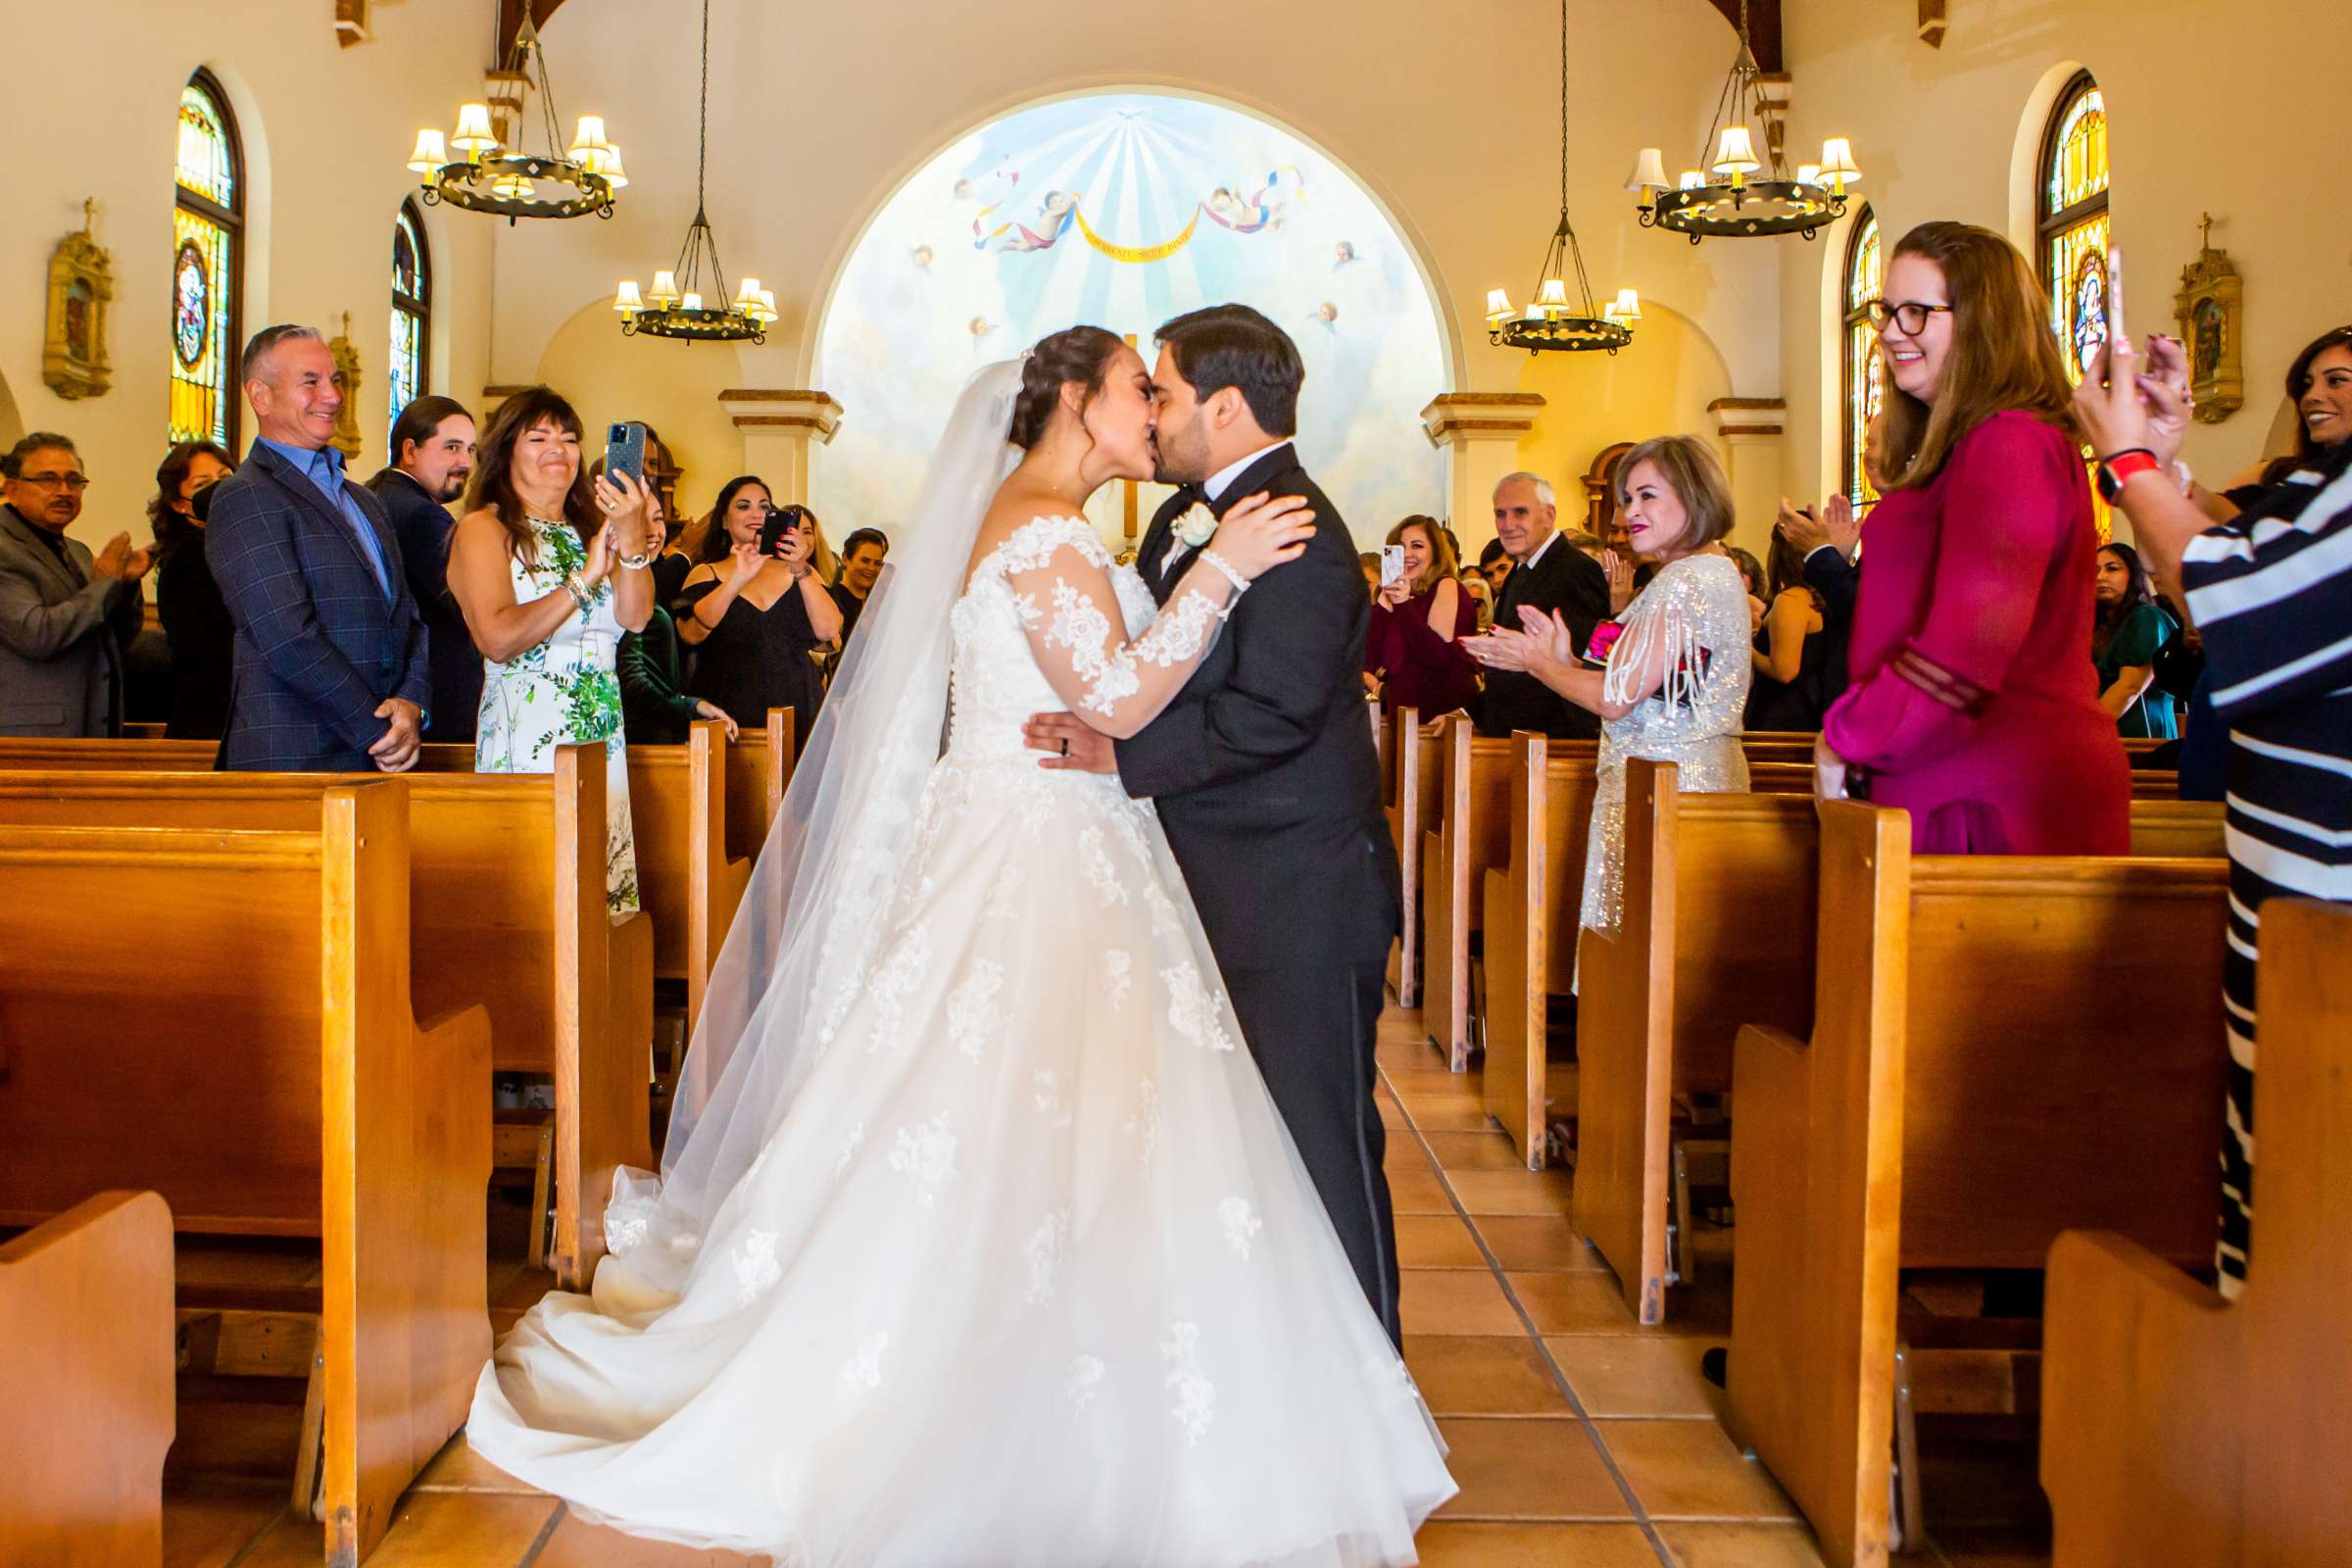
1412,793
1467,832
2179,1429
759,771
250,1051
508,872
1718,931
688,881
1541,888
1469,836
2003,1046
1529,905
85,1357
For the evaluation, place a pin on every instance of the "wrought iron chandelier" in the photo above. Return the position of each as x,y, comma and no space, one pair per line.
676,304
1553,320
513,182
1723,201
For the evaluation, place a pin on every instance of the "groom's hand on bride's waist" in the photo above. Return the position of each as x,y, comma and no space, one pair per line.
1069,745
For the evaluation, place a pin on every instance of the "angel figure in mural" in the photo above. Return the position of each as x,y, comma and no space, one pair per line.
1262,211
1053,217
1022,1202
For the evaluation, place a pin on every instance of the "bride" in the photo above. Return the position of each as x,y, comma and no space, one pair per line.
978,1240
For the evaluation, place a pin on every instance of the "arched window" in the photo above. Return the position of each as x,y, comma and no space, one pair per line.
412,310
2073,232
2073,219
1865,377
208,272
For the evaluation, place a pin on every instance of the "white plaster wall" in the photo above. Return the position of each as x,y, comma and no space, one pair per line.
90,111
2220,109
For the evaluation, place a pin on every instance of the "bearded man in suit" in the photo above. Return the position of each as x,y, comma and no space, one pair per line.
1263,770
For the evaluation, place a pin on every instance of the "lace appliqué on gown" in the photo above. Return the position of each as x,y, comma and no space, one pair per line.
1029,1205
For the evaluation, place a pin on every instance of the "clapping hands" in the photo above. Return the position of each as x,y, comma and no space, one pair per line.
121,562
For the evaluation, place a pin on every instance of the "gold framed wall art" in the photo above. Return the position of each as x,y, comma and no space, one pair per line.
2211,312
81,287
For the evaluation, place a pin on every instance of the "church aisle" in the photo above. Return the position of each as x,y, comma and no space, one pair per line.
1580,1439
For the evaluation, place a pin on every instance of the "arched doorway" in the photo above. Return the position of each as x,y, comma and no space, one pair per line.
1122,209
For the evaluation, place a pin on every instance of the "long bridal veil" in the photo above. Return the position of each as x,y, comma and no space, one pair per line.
806,929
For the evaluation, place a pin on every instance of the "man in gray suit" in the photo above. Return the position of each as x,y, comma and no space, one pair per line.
65,615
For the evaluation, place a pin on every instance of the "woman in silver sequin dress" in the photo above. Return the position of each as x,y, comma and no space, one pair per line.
1668,677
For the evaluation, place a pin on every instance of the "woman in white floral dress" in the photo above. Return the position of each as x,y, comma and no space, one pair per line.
549,572
979,1240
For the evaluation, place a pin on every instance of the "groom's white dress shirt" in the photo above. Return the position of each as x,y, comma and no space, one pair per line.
1218,483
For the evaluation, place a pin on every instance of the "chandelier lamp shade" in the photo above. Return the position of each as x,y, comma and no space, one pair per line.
468,167
1725,199
689,299
1556,320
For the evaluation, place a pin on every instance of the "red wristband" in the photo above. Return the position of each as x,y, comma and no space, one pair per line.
2115,472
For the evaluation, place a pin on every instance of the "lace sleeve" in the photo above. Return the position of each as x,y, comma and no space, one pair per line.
1059,577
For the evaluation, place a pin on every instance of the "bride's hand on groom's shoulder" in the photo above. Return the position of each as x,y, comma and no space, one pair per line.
1263,532
1070,744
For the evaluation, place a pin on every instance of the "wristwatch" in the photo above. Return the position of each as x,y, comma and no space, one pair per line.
2116,471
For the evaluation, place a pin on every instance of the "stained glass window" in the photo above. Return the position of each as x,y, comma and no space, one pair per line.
412,310
2074,230
206,270
1865,374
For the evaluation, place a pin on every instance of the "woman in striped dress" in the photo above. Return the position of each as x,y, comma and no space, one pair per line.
2271,592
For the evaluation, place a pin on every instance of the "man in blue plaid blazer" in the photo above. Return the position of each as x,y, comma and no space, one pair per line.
330,670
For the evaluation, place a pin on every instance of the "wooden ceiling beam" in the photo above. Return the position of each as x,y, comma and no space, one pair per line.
510,22
1763,29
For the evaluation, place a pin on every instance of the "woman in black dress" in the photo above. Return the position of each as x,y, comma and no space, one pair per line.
756,620
1791,647
187,601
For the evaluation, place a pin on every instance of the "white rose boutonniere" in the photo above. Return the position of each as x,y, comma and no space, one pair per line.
1196,526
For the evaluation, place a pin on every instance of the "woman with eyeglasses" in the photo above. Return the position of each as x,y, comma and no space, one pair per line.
1971,706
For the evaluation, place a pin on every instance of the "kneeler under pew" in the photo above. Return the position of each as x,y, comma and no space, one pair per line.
2177,1428
249,1050
507,871
85,1365
1717,931
2003,1046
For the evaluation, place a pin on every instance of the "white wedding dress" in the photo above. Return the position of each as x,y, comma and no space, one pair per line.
1024,1270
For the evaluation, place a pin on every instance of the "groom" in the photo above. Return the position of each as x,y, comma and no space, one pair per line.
1264,774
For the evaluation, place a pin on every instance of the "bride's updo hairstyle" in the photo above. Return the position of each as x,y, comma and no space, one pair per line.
1080,354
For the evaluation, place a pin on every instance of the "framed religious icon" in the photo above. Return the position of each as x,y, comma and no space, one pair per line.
81,285
2210,310
347,438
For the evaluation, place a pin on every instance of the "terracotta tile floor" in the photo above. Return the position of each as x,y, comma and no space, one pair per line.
1580,1439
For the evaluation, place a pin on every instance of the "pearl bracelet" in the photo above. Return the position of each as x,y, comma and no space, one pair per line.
1241,584
579,595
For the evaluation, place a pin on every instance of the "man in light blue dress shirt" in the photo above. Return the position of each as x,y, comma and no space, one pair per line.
331,672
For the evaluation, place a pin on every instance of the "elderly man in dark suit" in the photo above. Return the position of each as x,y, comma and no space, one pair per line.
1549,574
331,672
432,457
65,615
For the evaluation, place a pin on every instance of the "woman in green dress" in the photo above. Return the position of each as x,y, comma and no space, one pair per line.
550,572
2127,631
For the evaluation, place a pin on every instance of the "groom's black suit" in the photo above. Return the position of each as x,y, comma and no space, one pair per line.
1266,782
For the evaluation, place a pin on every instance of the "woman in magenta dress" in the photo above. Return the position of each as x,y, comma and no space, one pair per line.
1969,706
1411,645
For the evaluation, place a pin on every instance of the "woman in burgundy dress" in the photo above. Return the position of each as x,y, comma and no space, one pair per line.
1415,619
1969,706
